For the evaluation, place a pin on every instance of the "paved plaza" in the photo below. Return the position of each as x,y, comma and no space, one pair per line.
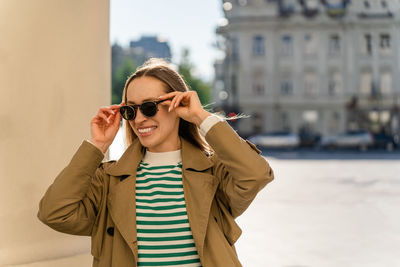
325,211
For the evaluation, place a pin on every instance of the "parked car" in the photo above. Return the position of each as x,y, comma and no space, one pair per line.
361,139
309,139
276,140
386,141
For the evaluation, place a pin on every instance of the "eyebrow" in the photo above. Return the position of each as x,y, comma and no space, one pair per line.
147,99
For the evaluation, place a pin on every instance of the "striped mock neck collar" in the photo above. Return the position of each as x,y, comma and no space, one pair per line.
162,158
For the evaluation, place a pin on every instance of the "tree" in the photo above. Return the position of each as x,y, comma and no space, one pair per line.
119,78
185,68
117,57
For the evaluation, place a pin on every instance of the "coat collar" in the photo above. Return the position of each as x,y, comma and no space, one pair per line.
192,158
199,188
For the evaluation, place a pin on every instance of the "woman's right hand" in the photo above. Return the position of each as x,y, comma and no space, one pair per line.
104,126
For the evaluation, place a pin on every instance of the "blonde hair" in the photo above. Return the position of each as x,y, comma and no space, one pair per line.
161,70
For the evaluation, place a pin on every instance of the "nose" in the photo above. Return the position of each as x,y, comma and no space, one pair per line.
139,117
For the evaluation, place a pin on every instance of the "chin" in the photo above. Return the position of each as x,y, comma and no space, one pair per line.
147,142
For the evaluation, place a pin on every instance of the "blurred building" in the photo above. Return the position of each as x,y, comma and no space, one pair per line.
325,66
147,47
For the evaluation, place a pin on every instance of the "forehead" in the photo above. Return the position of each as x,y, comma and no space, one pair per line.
144,88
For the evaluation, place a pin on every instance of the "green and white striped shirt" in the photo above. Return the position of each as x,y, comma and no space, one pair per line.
163,230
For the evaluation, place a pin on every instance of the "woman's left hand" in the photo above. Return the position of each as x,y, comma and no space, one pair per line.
186,105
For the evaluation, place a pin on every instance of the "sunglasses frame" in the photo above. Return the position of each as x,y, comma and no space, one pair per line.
134,107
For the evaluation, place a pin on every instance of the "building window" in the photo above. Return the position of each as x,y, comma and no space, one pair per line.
258,46
310,84
366,83
258,89
386,82
234,90
286,86
366,4
258,81
257,122
334,122
235,49
284,120
287,45
367,45
242,2
383,4
310,44
335,83
334,44
385,44
288,6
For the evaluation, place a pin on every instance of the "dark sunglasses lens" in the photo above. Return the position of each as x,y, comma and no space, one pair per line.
149,109
128,113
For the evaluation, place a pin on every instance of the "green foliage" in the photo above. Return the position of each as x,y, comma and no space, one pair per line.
119,78
202,88
185,68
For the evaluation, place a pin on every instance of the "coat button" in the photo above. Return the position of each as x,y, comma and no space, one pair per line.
110,231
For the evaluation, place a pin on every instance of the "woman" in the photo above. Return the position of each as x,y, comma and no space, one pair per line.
172,197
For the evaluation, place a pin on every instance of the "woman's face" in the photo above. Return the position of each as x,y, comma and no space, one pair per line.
163,135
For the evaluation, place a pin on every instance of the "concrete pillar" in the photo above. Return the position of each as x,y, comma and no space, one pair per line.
54,75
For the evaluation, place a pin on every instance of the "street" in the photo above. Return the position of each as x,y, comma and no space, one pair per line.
325,209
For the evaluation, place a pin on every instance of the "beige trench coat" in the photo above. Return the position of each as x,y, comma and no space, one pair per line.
97,199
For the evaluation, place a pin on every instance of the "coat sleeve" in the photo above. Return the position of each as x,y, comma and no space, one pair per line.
71,203
240,168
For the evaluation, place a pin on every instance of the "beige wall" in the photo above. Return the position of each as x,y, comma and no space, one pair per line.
54,74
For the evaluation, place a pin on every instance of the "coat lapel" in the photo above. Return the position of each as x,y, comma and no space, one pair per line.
199,188
121,199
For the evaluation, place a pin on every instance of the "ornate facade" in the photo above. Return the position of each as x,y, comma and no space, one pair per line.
323,66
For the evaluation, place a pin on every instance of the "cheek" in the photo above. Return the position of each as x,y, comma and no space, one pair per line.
163,114
168,120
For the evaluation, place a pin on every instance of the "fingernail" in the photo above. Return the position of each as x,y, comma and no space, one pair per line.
169,109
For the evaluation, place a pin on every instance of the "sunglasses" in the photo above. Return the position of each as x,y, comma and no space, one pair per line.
148,108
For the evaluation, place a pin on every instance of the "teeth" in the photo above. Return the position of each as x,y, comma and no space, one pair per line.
146,130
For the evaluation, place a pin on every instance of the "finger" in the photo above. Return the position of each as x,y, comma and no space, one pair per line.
116,106
179,99
109,110
171,106
114,116
114,110
117,119
169,95
166,103
176,98
97,120
119,105
104,117
166,95
102,114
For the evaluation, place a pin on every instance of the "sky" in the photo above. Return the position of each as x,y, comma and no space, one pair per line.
183,23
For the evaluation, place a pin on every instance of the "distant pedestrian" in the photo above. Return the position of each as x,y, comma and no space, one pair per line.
173,196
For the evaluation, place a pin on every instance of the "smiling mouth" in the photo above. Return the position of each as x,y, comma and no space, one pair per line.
146,130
